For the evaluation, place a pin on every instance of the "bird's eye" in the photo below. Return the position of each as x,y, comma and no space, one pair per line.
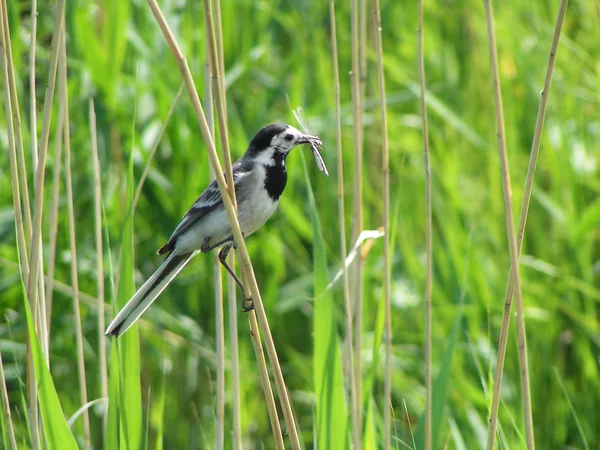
289,137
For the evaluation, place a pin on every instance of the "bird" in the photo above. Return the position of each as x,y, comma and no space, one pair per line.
259,176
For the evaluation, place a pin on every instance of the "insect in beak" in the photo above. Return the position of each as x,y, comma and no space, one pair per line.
315,144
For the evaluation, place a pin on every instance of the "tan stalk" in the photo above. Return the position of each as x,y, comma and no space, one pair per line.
358,214
216,6
100,313
6,407
36,240
38,307
231,286
512,242
265,381
342,224
72,240
218,284
7,69
232,311
385,175
161,133
533,157
54,215
32,88
428,233
246,264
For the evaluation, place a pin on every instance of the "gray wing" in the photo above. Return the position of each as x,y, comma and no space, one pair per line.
207,202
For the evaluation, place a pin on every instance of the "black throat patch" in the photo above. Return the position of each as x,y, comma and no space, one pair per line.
276,176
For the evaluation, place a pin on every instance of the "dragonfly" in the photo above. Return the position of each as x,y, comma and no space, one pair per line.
299,115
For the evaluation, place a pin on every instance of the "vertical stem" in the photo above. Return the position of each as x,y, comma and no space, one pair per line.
54,214
72,239
6,407
512,242
99,263
232,307
218,284
385,175
32,88
535,148
358,219
356,432
428,233
266,383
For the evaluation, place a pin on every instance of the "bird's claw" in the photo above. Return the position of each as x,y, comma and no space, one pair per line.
247,305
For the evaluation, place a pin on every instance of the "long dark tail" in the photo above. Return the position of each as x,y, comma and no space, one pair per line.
145,295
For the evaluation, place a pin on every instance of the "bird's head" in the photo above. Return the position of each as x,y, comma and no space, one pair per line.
275,141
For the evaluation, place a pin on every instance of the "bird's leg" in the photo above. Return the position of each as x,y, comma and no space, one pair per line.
247,304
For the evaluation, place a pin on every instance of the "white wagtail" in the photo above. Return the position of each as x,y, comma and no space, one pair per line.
259,177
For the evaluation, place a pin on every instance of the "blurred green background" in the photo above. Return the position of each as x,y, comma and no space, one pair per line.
275,50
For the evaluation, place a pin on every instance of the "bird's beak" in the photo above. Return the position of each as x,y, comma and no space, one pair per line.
308,139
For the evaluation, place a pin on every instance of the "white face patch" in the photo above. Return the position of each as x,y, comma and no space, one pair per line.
286,140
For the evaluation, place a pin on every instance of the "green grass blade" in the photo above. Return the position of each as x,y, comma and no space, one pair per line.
572,409
332,415
129,344
112,427
440,388
56,431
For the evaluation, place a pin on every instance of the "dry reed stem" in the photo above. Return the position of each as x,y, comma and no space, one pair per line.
161,134
100,313
512,243
64,99
6,405
246,264
264,373
32,88
218,284
357,213
38,307
428,233
54,215
265,381
36,239
231,285
219,93
232,311
7,69
533,157
17,130
342,225
385,174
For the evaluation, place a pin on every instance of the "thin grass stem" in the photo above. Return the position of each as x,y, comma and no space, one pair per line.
385,175
357,213
218,283
512,243
64,99
54,216
24,267
246,264
533,157
265,381
342,224
100,313
6,406
428,232
32,87
36,239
